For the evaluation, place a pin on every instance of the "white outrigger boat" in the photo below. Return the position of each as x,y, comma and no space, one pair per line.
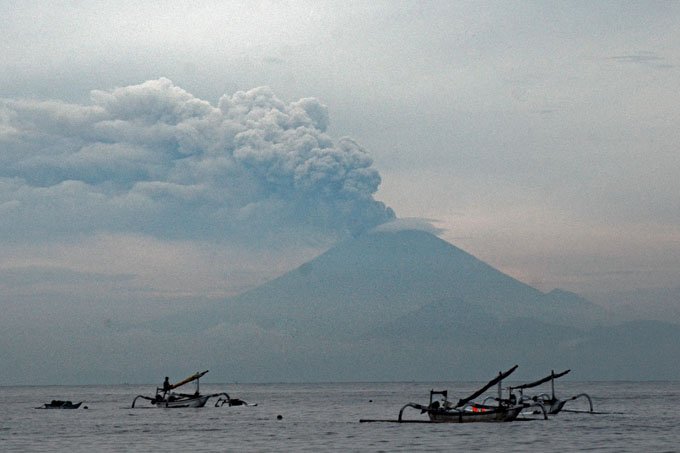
467,411
166,398
551,404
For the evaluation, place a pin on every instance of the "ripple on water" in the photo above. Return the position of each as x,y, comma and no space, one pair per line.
324,417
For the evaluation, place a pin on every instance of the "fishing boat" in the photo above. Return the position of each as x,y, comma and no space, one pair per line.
166,398
550,402
59,404
466,410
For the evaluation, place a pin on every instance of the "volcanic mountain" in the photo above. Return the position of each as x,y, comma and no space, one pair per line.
365,282
390,305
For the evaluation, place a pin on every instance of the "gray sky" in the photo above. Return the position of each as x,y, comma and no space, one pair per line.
541,137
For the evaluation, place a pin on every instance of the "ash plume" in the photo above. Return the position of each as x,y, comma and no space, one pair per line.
154,159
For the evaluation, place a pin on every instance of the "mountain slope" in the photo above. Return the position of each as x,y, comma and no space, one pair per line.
381,276
407,305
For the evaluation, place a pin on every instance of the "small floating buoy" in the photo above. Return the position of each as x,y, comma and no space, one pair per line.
279,417
370,401
85,407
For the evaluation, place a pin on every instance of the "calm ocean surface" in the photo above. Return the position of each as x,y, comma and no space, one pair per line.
642,416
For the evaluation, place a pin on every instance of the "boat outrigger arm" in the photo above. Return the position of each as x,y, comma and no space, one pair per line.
165,397
551,402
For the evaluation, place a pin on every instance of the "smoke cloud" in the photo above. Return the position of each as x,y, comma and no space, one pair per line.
153,159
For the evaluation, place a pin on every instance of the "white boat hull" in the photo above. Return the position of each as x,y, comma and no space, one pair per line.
198,401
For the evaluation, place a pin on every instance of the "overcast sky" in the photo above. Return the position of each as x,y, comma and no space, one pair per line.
170,151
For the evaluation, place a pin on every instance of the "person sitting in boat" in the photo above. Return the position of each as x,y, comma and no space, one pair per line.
166,384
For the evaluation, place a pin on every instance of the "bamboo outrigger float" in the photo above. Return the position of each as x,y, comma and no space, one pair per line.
166,398
550,402
467,411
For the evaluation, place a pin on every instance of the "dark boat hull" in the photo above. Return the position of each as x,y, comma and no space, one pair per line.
496,414
61,405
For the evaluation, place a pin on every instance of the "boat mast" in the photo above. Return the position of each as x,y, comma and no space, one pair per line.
490,384
552,383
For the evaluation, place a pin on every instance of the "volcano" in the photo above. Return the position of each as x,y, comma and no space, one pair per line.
406,305
362,283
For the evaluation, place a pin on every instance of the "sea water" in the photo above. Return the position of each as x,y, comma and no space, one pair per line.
635,416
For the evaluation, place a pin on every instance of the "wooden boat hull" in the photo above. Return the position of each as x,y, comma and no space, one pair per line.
198,401
502,414
61,405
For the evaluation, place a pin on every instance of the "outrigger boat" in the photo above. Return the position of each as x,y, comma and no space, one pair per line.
166,398
467,411
551,403
59,404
